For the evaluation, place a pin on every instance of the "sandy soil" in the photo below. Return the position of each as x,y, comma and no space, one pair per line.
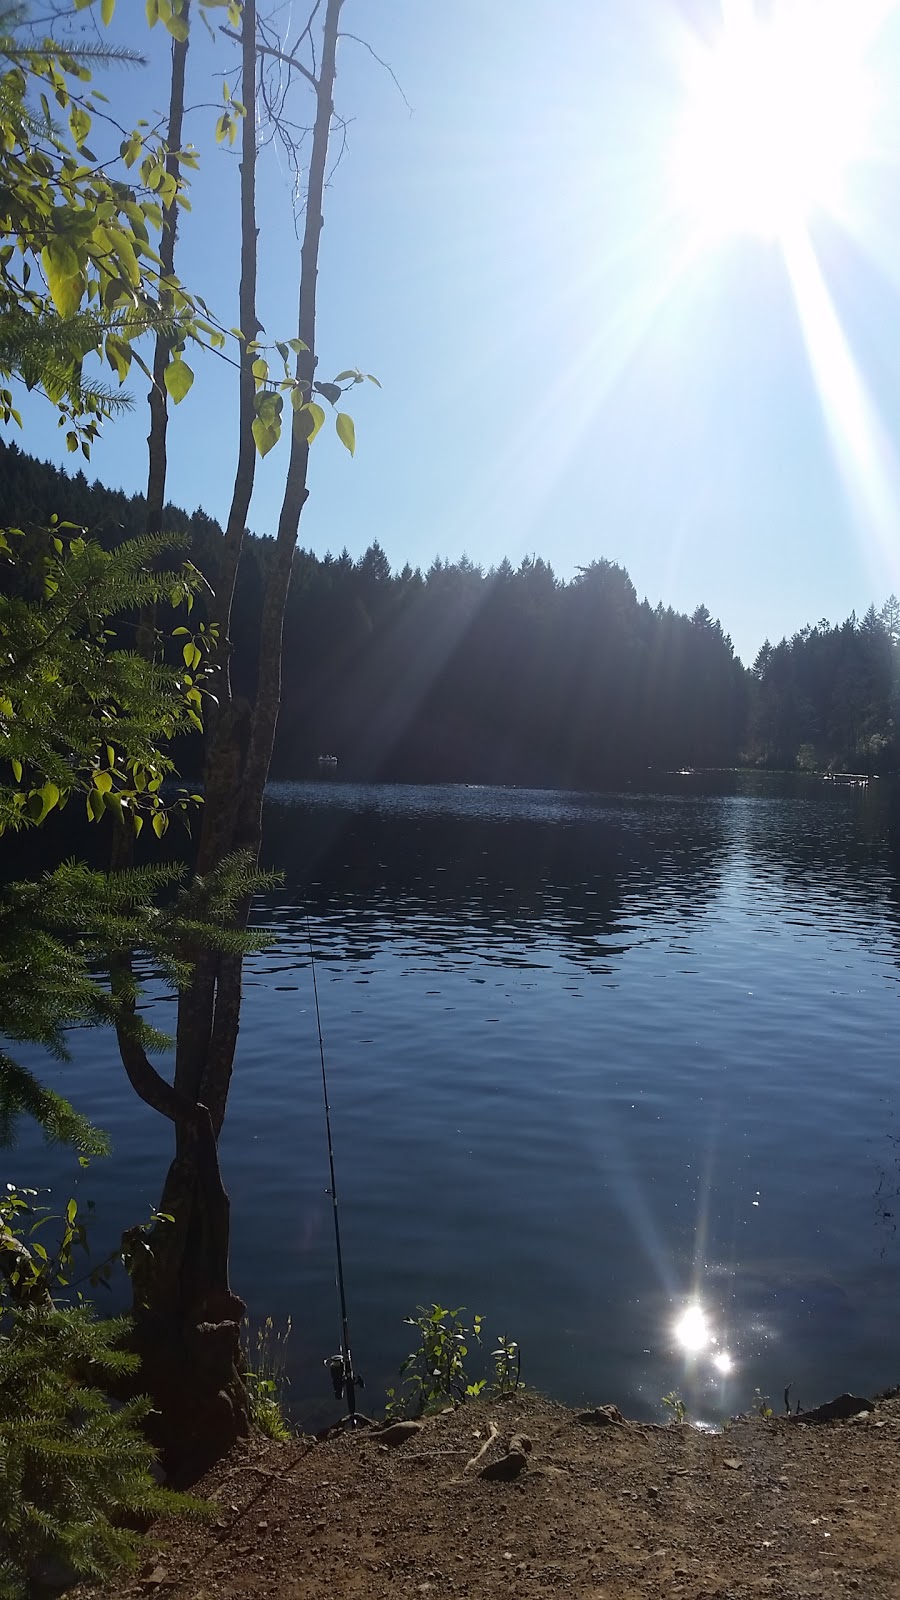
785,1509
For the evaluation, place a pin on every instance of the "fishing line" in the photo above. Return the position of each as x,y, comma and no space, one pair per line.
343,1377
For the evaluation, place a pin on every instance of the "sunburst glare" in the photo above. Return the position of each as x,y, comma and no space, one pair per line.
692,1330
776,113
780,123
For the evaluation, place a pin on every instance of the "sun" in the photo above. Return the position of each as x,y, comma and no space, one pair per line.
776,114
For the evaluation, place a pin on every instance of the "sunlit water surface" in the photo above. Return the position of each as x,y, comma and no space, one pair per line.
618,1071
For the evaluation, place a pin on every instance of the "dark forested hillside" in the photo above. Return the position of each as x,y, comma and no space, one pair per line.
512,675
830,695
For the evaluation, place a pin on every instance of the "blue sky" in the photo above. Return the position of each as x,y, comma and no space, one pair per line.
561,374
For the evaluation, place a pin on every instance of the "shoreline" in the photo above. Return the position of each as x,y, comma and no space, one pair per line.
597,1506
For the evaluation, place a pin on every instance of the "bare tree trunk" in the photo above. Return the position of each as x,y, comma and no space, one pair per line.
187,1316
268,689
224,1019
186,1319
249,325
159,410
159,407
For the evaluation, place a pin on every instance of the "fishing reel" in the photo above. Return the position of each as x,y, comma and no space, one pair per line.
342,1375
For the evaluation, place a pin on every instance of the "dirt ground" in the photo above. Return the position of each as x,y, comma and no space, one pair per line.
786,1509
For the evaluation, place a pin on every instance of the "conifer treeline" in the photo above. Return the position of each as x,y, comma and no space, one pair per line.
513,675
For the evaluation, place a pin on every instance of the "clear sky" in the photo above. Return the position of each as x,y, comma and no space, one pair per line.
629,277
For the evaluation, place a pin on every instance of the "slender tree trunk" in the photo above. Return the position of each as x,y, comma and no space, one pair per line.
157,438
186,1319
249,325
268,689
187,1315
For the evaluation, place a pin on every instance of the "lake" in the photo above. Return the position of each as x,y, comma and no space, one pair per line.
618,1071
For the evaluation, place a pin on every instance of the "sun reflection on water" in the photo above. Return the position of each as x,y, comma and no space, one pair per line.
696,1337
692,1330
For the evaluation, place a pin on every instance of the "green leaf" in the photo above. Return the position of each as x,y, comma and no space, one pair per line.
160,823
346,432
308,420
64,276
265,434
17,770
329,391
49,797
71,1211
107,7
79,125
178,379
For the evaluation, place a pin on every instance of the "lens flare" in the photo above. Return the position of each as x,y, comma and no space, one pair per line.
692,1330
777,113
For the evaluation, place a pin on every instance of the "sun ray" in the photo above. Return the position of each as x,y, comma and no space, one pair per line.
862,447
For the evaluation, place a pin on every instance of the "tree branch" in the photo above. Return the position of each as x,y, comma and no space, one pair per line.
278,55
387,67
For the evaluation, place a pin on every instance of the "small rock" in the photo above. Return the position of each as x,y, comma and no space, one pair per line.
156,1577
652,1491
602,1417
398,1432
520,1444
734,1462
507,1468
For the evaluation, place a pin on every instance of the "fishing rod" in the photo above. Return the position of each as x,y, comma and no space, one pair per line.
343,1378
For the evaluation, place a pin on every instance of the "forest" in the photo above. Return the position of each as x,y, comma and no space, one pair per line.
513,675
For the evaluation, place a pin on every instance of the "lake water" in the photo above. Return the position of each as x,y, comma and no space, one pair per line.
595,1061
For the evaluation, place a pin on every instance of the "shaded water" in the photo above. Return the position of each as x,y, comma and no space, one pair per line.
593,1060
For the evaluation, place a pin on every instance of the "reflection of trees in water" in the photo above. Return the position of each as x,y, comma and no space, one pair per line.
570,880
822,843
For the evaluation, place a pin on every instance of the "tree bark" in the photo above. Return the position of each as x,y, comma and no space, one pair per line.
188,1319
268,689
159,409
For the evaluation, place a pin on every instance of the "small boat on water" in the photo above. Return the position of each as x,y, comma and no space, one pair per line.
328,761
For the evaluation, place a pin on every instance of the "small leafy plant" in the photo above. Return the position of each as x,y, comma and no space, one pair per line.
762,1405
266,1377
434,1374
507,1366
675,1406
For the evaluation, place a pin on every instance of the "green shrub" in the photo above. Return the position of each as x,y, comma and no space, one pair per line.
266,1378
76,1473
434,1374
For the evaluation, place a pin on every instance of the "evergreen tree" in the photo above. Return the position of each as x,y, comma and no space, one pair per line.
76,1473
